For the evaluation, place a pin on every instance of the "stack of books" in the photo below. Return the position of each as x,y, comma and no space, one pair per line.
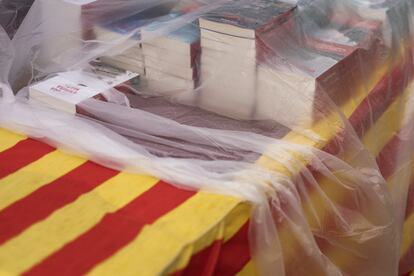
230,48
172,59
122,37
395,16
328,68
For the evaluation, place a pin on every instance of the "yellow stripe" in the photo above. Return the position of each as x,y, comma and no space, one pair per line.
9,139
408,235
164,245
35,175
248,270
387,125
45,237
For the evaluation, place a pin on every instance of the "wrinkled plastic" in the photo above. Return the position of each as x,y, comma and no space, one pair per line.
311,120
12,13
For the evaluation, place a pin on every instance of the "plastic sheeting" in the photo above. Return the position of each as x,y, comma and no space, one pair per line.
12,13
304,109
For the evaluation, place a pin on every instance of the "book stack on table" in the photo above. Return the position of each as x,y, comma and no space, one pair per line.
171,60
326,70
230,47
128,54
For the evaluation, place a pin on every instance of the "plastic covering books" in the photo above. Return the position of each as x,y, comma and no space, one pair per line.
305,109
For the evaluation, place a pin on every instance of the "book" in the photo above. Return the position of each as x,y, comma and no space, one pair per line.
211,58
184,40
227,40
188,73
281,90
138,68
394,16
68,89
230,46
127,26
153,52
67,24
129,62
314,84
60,93
171,56
247,18
131,59
62,27
162,83
228,84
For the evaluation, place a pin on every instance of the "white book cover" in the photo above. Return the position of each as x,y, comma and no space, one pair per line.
215,59
187,73
61,26
185,39
96,81
165,84
226,48
228,89
229,40
279,91
61,94
68,89
184,60
138,68
123,59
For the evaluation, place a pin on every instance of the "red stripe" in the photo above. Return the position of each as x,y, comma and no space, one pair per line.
374,105
410,200
220,258
203,263
407,262
22,154
41,203
381,97
112,233
235,253
387,158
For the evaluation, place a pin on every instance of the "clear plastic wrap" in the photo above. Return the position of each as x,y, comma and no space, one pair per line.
303,109
12,13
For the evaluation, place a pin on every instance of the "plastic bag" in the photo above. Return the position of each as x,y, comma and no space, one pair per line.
12,13
303,109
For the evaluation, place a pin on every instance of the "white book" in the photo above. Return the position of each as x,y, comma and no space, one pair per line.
226,48
281,91
165,84
228,40
99,82
246,18
228,88
213,58
135,52
60,93
179,59
66,90
61,26
124,59
390,13
138,68
187,73
184,40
